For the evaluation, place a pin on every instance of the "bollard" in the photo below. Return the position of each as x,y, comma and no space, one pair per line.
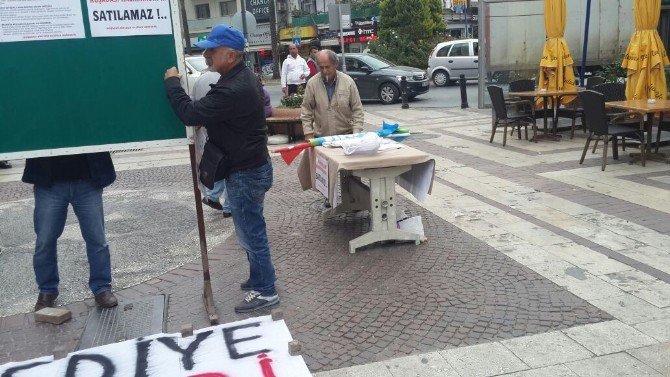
464,94
403,92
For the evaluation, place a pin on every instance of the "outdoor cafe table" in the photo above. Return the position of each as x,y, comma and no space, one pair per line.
643,107
555,96
329,169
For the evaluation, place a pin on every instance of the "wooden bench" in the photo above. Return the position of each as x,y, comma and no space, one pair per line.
292,126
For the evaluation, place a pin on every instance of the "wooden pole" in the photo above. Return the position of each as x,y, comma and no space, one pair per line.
207,283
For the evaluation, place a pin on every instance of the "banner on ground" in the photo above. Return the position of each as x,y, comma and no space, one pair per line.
255,347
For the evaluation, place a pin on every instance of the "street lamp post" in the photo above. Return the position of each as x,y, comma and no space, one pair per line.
184,27
465,17
274,40
245,32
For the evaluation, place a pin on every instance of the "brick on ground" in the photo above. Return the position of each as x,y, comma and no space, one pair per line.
55,316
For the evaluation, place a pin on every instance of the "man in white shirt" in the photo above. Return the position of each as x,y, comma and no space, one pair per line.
212,198
293,71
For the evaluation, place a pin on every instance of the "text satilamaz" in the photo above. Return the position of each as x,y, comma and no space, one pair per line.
128,14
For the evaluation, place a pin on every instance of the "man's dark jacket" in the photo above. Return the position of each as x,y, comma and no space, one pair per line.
39,171
233,114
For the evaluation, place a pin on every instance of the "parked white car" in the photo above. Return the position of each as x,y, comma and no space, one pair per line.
448,60
195,65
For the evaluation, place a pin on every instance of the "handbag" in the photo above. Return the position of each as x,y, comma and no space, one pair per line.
212,164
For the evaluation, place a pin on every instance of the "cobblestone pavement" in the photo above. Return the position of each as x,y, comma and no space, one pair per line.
533,263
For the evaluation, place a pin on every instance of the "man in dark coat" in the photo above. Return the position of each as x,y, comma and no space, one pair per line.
234,117
59,182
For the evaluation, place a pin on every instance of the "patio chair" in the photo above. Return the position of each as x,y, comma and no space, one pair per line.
514,119
598,124
527,85
614,91
662,126
572,111
593,81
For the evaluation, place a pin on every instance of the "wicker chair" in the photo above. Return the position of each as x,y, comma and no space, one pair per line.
599,125
503,117
528,107
662,126
614,91
593,81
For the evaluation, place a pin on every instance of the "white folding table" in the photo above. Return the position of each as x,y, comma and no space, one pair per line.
326,169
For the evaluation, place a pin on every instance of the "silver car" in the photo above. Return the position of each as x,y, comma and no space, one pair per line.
195,65
448,60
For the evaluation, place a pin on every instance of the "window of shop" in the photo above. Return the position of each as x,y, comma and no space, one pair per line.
227,8
308,6
202,11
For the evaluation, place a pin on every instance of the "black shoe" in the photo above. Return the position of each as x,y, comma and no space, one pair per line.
45,300
106,299
215,205
254,301
5,165
227,214
245,286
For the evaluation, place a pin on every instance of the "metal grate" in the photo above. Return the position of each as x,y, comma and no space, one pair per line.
125,321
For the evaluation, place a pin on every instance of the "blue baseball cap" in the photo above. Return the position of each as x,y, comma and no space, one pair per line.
223,35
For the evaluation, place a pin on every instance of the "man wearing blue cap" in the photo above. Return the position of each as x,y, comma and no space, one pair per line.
233,114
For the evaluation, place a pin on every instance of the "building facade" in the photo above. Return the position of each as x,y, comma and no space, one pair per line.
203,15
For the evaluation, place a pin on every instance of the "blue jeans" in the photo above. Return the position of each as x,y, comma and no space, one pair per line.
215,193
246,193
51,205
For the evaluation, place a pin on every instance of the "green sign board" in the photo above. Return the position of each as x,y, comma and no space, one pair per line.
67,96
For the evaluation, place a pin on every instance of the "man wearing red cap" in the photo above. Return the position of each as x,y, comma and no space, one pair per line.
233,114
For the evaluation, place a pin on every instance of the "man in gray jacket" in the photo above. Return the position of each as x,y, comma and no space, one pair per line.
332,105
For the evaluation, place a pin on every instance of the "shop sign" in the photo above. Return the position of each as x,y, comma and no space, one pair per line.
260,9
303,32
260,36
357,35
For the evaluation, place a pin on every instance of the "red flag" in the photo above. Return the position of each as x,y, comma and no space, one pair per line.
288,154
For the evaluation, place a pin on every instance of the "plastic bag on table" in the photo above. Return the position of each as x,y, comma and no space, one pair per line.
368,144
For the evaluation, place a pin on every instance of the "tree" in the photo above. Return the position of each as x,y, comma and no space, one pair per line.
363,4
408,30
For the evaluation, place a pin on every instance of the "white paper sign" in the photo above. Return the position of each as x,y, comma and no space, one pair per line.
260,36
116,18
39,20
346,21
321,175
255,347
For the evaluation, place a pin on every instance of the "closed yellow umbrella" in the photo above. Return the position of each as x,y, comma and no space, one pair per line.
646,56
556,65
